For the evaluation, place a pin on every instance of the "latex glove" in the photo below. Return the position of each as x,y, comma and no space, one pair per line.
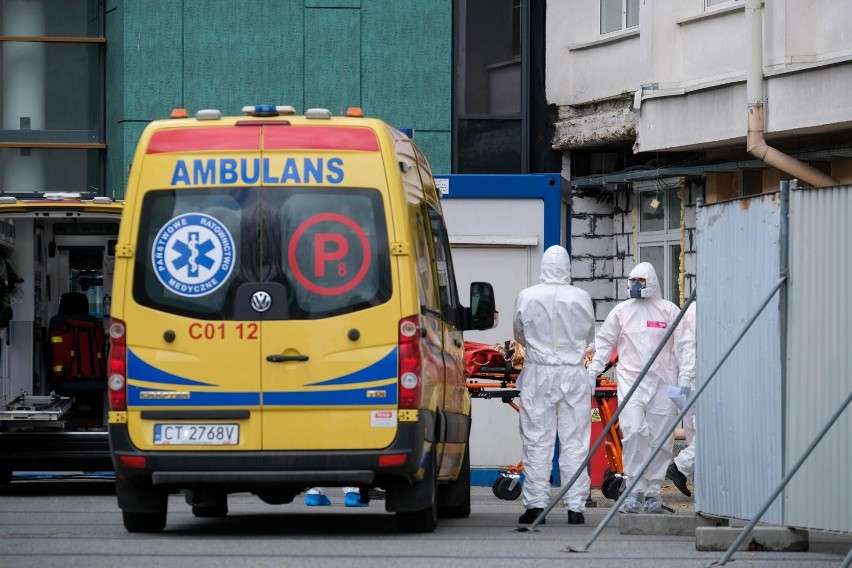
588,355
685,390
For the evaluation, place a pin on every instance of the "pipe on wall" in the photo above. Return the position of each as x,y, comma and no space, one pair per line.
755,143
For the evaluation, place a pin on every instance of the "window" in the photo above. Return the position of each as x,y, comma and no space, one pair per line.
489,105
659,234
619,15
714,3
52,134
444,268
321,253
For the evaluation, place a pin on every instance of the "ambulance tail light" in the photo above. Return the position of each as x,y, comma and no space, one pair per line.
392,460
117,365
410,363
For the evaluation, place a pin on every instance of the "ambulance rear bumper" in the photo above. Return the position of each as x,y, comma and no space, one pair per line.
246,471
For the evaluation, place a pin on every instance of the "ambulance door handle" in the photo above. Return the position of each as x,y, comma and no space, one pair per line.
286,358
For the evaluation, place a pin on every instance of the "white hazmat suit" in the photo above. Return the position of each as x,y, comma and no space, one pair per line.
685,460
554,321
636,326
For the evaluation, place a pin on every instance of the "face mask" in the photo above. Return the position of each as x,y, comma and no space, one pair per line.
636,290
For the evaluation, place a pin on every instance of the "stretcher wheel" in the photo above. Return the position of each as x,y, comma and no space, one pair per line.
611,485
501,490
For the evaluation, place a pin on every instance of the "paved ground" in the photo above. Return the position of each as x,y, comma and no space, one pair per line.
657,551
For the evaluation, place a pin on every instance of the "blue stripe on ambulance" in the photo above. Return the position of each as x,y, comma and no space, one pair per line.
381,390
141,371
384,368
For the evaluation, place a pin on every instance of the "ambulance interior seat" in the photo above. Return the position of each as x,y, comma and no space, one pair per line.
74,306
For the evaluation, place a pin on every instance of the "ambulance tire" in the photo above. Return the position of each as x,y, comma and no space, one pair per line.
459,487
425,520
144,522
143,508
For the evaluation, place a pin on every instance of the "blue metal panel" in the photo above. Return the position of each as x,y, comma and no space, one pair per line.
739,427
547,187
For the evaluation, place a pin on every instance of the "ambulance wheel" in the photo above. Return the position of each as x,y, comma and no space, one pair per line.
424,520
502,489
144,522
457,491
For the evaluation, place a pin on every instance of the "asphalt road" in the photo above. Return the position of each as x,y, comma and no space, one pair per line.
76,522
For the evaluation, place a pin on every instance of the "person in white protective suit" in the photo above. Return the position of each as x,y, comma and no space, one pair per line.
683,465
554,322
635,327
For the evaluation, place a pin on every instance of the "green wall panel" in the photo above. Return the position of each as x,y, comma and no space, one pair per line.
407,62
391,57
332,59
436,147
242,56
333,3
153,52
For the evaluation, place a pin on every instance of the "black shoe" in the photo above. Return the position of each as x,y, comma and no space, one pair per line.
530,516
576,518
675,476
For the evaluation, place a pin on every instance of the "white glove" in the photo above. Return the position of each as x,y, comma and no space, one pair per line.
593,379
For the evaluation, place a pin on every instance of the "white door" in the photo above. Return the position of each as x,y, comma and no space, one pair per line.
495,441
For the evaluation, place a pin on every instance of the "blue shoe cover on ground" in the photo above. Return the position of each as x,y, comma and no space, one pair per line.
316,500
354,500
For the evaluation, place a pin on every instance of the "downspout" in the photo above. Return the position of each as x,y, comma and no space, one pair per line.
756,145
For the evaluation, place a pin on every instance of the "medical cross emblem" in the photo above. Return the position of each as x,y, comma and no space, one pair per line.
192,253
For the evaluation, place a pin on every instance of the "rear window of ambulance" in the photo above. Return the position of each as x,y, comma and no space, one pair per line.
328,247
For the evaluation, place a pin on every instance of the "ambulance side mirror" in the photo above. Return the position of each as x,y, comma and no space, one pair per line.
482,313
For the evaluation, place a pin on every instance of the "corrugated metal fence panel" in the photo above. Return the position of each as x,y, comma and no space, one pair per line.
739,443
820,357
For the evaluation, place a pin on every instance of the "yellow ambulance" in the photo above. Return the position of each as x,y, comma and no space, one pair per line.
285,315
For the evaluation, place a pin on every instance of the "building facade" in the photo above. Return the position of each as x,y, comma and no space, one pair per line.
662,104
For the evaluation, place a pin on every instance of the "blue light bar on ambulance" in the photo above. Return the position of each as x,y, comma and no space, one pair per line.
268,110
408,131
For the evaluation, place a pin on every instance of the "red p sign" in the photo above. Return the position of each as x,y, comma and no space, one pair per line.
328,247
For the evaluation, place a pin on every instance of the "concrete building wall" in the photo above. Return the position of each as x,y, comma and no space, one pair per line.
677,83
379,55
582,65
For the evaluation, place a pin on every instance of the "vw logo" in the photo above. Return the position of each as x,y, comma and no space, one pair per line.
261,301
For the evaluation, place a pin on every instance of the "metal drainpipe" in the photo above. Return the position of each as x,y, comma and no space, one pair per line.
756,145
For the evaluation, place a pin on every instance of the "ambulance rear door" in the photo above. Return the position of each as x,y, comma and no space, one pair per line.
193,342
329,360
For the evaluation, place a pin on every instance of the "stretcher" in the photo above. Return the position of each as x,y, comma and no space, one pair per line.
28,411
496,380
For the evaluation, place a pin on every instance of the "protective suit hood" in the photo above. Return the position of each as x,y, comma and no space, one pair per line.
652,285
556,266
